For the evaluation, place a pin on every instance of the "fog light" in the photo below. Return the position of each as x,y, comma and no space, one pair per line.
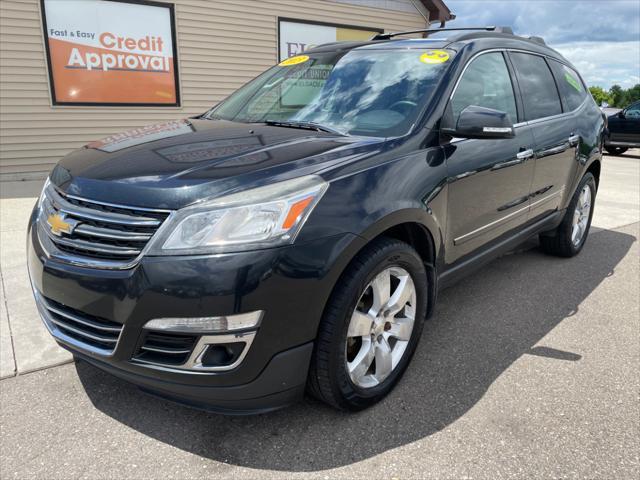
228,323
222,355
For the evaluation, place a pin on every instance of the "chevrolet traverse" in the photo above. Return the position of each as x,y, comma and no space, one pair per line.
294,237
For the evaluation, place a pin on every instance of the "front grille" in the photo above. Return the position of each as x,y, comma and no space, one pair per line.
165,348
93,333
114,235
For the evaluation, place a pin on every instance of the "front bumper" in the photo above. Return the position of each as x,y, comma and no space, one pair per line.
290,284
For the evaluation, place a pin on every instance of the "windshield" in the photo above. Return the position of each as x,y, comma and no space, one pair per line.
363,92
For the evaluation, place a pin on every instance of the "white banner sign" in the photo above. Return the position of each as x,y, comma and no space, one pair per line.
297,37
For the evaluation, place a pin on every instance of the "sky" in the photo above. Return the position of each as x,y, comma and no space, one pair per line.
600,37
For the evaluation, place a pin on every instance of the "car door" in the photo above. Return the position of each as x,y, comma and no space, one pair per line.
554,131
488,179
629,125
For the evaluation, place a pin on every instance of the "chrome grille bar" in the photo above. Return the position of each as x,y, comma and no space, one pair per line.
82,333
69,208
111,234
93,334
83,321
92,247
95,234
170,351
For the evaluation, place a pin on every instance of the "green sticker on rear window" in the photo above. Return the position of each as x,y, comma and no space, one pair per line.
573,82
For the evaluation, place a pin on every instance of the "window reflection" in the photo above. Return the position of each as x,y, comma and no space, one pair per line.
366,92
486,83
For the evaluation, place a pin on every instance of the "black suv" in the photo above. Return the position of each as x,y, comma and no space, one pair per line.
623,130
296,235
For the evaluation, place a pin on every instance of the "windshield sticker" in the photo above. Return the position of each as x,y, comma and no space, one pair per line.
294,60
434,56
573,82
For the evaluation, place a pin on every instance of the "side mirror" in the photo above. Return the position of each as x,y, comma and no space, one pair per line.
621,114
481,122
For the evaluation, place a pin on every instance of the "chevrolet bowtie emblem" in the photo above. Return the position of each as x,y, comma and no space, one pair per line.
59,224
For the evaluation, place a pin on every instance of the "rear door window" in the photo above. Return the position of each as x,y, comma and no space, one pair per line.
572,89
485,83
539,91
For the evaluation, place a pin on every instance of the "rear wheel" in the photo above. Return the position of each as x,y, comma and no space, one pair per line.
615,150
371,326
570,236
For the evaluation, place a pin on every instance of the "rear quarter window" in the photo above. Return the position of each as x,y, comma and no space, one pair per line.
572,90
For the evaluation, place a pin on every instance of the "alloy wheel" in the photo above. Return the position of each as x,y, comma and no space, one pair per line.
581,216
380,327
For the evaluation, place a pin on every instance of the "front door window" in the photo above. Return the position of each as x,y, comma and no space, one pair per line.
486,83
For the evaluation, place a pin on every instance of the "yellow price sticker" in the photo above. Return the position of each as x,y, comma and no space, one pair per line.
294,60
434,56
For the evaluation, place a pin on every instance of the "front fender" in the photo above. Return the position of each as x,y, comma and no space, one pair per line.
387,220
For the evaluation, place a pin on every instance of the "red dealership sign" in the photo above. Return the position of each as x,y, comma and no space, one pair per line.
111,52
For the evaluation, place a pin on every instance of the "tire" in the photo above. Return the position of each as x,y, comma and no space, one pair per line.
561,242
334,363
615,150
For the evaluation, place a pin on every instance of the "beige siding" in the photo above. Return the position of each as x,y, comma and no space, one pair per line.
221,45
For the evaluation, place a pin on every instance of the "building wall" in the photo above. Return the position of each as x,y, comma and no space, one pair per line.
400,5
221,45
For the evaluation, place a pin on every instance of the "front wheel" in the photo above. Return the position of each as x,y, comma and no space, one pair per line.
371,326
568,239
615,150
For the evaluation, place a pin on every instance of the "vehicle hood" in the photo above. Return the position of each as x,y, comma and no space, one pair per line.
611,113
174,164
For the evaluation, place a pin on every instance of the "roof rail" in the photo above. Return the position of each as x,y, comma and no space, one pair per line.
539,40
387,36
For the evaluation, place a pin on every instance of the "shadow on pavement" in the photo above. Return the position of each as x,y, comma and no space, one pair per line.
482,325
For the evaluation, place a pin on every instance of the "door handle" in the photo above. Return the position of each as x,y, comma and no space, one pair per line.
574,140
525,154
521,157
554,150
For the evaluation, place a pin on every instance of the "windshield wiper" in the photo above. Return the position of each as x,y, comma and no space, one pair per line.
305,125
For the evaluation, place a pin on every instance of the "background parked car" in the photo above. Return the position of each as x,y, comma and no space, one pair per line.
624,130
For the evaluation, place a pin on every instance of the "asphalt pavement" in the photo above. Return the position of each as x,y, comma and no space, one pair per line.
529,369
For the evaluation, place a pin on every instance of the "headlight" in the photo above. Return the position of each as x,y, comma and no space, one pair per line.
261,217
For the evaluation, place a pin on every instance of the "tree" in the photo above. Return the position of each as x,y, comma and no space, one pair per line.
600,95
618,96
633,94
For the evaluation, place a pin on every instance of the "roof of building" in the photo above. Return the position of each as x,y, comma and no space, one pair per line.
438,11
